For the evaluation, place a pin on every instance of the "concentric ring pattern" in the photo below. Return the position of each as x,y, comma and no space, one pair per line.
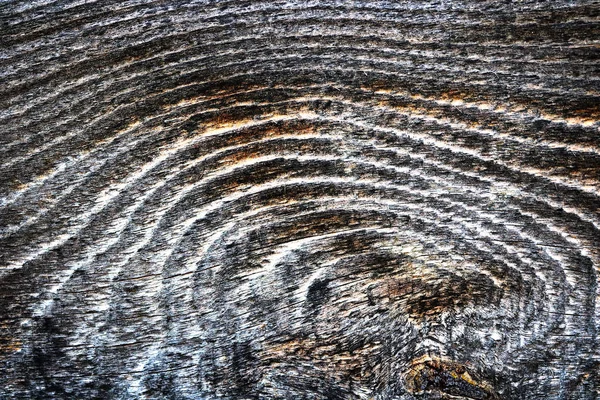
299,199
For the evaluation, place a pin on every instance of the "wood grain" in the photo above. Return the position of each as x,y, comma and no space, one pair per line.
299,199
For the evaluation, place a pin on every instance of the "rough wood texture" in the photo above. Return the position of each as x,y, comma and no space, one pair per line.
299,200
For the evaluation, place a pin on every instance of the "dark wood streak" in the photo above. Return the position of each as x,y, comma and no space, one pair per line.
299,200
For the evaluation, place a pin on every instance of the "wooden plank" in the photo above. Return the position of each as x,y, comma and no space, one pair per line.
299,200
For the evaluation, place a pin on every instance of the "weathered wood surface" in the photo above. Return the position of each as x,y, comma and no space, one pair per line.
299,199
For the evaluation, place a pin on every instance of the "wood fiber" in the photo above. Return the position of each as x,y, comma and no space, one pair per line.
245,199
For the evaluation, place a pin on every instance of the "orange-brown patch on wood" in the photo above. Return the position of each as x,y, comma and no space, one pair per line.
424,294
430,374
8,344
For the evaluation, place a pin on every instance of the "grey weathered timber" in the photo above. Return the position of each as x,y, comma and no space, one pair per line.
299,199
